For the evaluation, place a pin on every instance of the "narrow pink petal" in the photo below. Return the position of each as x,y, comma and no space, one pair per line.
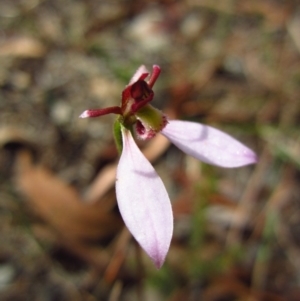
84,114
101,112
143,201
208,144
154,75
140,74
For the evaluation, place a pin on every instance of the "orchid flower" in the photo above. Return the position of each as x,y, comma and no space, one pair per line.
142,198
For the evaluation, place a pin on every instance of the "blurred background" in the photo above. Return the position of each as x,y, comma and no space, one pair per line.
234,65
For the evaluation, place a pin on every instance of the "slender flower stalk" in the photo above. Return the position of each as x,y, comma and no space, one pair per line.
142,198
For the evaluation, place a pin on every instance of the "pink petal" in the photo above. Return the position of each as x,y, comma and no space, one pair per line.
154,75
143,201
208,144
101,112
140,74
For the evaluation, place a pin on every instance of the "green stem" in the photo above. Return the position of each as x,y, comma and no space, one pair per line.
118,136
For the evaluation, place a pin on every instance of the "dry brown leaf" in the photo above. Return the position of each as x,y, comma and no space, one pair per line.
60,205
22,47
10,134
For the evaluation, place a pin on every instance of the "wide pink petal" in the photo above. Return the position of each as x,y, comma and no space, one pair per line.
208,144
143,201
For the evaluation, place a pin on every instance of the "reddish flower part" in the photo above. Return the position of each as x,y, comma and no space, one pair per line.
142,198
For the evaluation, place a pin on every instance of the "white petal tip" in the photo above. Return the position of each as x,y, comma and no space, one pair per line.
85,114
157,255
252,158
158,263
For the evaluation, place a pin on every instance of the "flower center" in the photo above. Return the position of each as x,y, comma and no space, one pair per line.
140,90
